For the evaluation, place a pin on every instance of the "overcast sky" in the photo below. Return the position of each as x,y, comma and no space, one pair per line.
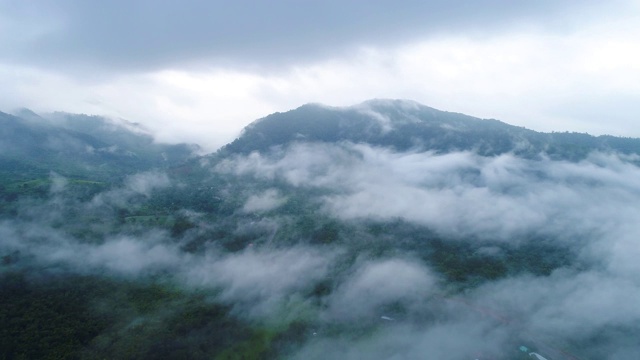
200,70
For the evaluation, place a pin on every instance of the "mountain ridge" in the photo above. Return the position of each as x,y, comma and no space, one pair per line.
406,124
80,146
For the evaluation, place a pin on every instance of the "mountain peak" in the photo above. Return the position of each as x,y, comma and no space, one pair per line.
395,123
26,113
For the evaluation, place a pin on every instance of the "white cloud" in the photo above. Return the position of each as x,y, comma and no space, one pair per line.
268,200
138,184
448,340
58,183
459,194
260,282
589,205
144,183
378,283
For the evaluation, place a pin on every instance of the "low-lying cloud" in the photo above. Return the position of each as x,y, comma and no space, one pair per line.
587,206
268,200
458,194
386,304
379,283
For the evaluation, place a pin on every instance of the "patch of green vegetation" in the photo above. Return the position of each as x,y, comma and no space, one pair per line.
87,182
40,188
48,319
459,263
72,316
254,348
150,298
462,263
33,187
151,220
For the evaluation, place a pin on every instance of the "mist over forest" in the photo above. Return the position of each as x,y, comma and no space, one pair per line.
383,230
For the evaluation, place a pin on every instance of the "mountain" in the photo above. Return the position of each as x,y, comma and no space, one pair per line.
403,125
79,146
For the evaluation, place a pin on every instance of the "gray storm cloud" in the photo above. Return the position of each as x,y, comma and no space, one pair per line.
144,34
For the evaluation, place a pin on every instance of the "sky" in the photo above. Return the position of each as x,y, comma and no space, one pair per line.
199,71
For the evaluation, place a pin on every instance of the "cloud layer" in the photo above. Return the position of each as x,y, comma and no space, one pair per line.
145,35
351,297
587,206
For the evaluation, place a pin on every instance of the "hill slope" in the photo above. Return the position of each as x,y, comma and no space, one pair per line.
79,146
